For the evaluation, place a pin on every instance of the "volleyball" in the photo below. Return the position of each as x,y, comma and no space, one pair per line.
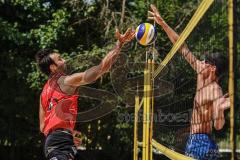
146,34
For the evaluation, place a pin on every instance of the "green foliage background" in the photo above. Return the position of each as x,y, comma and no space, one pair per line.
73,28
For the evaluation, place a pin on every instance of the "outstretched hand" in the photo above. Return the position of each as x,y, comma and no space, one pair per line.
224,102
126,37
154,15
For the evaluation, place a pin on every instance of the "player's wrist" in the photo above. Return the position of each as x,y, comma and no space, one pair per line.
161,22
119,44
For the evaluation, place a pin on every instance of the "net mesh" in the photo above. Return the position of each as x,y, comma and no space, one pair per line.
173,110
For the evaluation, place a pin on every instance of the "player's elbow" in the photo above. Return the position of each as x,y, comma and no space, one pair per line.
219,125
41,127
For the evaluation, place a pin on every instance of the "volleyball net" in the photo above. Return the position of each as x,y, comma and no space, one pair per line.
164,117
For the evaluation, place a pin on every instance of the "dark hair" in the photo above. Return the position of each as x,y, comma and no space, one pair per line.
218,60
44,60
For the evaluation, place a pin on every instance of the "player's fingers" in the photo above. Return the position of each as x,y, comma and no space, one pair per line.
151,18
132,36
133,33
128,32
154,9
151,13
226,95
117,34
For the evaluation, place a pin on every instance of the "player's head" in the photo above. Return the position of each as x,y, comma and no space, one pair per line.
49,61
218,63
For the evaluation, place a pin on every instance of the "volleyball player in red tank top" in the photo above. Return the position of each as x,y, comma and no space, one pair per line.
58,100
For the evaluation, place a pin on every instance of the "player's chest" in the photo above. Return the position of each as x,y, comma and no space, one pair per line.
204,95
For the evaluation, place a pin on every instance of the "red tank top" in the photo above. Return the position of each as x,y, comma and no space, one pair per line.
60,108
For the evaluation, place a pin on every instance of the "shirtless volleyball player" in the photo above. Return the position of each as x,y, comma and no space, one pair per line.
58,100
209,102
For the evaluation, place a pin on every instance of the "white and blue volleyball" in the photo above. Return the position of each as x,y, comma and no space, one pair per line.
146,34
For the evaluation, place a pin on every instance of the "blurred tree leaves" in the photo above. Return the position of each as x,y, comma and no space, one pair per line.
83,28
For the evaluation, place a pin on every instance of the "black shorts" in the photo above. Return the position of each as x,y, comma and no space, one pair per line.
59,145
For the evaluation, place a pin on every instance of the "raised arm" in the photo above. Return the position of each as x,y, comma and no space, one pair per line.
95,72
173,36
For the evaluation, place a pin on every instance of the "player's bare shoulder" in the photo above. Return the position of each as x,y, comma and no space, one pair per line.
70,90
